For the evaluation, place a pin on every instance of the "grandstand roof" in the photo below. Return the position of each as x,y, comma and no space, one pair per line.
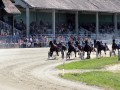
107,5
79,5
10,8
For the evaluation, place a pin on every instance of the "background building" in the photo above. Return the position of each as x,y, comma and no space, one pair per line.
93,17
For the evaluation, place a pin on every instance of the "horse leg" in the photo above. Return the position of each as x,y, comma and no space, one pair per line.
51,53
48,55
75,53
94,50
88,55
105,52
100,53
113,51
97,53
83,54
57,52
62,52
68,55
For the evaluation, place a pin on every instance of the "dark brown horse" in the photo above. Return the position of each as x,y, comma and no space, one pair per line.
100,48
53,48
114,47
71,49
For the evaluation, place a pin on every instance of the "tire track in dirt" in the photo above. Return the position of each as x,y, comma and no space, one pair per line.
29,69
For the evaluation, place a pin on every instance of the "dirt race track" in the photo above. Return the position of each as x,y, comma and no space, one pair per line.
29,69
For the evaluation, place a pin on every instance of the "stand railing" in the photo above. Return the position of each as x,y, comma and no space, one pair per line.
43,40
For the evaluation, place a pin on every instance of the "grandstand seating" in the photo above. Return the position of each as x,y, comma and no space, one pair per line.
8,41
6,29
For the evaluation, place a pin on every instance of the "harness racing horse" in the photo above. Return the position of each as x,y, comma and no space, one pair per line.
71,49
53,48
80,50
100,47
114,47
87,49
62,49
80,47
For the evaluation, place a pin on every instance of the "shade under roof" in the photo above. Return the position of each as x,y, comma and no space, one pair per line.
80,5
10,7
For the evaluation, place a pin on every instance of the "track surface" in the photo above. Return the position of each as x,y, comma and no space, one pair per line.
29,69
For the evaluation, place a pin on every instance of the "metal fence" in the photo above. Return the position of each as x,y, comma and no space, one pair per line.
9,42
18,42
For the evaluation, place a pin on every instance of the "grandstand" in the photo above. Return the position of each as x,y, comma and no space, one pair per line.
93,18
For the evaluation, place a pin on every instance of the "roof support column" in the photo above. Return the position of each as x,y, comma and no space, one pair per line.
27,21
76,22
13,26
97,25
115,24
53,22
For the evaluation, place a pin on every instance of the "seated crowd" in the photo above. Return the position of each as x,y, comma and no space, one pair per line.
88,26
45,28
107,28
65,28
5,29
61,28
38,30
35,28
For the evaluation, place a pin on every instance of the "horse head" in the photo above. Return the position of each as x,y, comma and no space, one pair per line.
77,43
86,42
98,43
50,43
54,41
114,45
113,40
69,43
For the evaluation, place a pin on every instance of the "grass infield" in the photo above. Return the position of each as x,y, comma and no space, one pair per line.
107,80
90,64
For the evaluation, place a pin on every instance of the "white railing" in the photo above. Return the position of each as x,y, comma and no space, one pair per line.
9,41
14,41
